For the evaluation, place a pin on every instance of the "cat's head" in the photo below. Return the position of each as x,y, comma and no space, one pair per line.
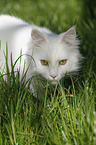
55,55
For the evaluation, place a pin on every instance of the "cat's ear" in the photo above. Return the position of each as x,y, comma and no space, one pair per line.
37,36
69,36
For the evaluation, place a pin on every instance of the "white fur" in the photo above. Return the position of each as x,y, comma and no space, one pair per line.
41,44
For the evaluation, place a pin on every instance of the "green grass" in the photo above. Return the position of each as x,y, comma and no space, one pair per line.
66,114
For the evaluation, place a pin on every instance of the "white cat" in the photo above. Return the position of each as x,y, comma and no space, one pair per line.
53,55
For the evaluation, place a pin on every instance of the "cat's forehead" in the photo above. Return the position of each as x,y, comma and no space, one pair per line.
52,50
56,52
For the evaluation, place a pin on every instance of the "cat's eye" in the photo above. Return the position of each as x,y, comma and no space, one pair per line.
62,62
44,62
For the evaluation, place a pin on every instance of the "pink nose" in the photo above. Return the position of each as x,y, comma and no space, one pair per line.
53,76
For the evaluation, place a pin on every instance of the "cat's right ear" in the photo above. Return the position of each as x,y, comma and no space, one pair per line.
37,37
69,36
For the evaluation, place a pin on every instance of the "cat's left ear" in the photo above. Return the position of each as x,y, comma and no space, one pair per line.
69,36
37,36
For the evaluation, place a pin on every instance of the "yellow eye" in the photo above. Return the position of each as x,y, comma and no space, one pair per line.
44,62
62,62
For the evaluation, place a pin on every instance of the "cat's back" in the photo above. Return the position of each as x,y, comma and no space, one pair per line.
7,21
12,28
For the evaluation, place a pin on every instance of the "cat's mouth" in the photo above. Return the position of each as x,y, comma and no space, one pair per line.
54,82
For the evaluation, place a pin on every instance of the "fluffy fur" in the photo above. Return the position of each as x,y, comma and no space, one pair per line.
40,44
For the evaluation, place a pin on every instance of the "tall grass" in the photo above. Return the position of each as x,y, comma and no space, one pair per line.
63,116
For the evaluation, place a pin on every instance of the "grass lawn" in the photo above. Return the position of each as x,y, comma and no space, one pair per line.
66,114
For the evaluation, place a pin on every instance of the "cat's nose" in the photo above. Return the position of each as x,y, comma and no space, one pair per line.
53,76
